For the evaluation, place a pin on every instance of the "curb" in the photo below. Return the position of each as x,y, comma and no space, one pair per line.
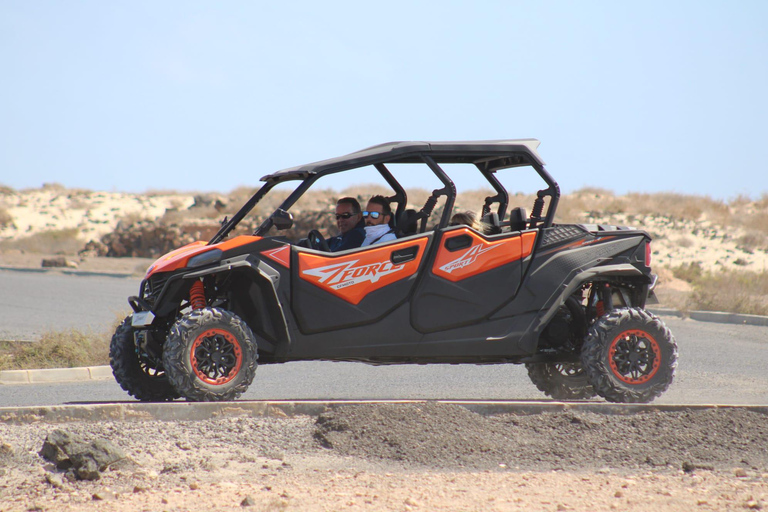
196,411
55,375
715,316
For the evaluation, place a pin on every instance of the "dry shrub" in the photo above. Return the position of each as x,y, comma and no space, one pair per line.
417,197
6,219
732,291
690,272
593,201
5,190
54,187
240,195
56,349
685,242
163,192
173,217
61,241
753,241
131,218
473,200
364,191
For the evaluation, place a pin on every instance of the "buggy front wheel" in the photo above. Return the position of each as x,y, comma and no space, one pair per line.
210,355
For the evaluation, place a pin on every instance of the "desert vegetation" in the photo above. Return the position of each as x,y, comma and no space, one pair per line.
56,349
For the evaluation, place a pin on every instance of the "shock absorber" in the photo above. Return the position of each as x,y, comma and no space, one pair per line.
197,295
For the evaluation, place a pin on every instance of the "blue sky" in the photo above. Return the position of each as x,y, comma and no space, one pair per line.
209,96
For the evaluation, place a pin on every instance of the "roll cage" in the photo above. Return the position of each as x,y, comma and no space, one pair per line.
488,157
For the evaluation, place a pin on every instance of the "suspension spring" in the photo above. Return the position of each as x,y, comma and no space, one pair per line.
197,295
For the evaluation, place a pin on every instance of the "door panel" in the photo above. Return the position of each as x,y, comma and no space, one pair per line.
337,291
470,277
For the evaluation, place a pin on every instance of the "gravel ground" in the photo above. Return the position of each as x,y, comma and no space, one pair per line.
406,457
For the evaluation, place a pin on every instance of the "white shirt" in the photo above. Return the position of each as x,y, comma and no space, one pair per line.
377,234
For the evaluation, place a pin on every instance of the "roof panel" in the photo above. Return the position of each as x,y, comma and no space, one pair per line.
441,151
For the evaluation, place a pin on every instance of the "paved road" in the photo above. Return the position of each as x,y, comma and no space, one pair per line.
719,363
34,302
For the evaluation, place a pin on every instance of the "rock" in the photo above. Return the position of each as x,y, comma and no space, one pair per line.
86,460
146,239
740,473
411,502
58,262
6,451
248,501
55,480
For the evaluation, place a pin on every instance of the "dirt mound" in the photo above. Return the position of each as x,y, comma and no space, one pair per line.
443,435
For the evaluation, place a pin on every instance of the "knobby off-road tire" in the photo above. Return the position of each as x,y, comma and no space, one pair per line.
629,355
210,355
561,381
134,371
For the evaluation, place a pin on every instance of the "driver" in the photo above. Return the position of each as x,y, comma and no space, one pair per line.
349,220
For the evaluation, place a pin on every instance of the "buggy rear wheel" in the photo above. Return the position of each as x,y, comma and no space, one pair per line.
210,355
629,356
140,374
561,381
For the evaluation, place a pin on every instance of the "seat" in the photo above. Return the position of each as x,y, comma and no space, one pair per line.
407,223
517,219
491,223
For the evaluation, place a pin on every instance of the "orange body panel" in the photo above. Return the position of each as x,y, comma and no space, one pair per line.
482,255
281,255
178,258
353,276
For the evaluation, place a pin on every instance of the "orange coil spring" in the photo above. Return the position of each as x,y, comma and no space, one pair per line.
197,295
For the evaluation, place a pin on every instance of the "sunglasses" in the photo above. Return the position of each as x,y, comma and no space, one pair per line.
373,215
344,215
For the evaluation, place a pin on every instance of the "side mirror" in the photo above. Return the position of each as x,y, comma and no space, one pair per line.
282,219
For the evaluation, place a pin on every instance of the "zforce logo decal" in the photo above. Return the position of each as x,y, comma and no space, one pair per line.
354,276
481,256
341,275
468,258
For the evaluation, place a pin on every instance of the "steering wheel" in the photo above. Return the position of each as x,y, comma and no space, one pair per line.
317,242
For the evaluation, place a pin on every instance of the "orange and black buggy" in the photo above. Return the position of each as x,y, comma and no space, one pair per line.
566,300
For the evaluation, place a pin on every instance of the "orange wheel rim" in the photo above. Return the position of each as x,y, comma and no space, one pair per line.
634,356
216,356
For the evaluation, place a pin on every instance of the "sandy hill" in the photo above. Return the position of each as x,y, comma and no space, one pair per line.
695,230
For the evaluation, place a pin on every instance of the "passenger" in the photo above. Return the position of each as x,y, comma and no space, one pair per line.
377,216
349,220
468,218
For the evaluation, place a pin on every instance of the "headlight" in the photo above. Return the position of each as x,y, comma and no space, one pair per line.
205,258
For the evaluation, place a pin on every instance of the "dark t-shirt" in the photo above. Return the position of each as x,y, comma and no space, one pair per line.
349,240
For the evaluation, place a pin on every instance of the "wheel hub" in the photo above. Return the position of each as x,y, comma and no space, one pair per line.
634,356
216,356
